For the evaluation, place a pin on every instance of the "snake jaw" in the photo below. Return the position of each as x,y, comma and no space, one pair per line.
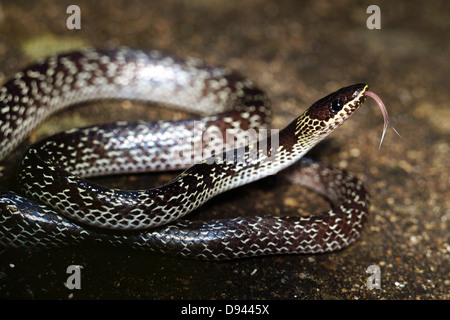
328,113
338,105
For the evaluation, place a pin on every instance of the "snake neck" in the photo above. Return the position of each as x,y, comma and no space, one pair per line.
300,136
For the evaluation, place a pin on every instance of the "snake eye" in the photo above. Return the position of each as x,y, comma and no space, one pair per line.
336,105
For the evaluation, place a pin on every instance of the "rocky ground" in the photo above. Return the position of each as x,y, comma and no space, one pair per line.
297,52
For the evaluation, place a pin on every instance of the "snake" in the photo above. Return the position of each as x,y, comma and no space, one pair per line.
57,205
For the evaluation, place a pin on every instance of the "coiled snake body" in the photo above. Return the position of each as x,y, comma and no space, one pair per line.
57,207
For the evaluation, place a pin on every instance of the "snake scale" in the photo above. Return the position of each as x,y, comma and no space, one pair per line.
56,207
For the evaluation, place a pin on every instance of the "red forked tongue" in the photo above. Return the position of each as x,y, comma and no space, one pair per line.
383,112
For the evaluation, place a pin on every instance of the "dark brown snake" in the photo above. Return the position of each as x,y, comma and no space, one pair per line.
57,207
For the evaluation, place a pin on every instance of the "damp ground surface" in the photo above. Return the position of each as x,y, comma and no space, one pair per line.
297,52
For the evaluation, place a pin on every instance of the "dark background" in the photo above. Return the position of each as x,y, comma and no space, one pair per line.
298,52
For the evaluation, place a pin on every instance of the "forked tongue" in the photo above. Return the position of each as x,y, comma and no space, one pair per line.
384,113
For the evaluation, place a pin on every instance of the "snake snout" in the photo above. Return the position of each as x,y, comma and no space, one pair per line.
353,94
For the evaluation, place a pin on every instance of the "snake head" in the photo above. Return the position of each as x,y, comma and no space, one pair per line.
338,105
328,113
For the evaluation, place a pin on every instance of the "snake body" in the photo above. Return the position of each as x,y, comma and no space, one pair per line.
57,207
